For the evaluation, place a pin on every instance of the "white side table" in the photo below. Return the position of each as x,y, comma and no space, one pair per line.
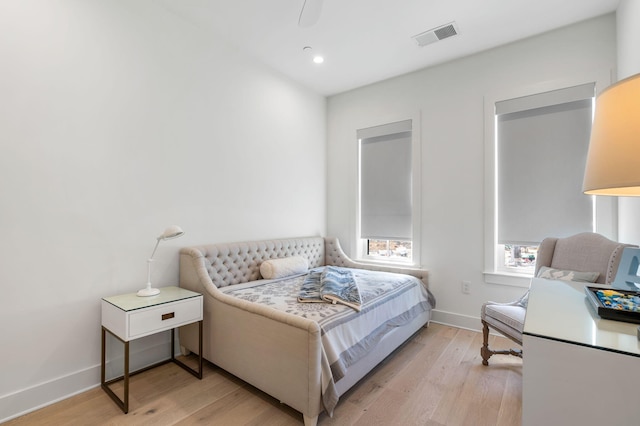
128,317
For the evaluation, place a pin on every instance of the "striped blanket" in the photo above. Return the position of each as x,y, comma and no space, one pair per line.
333,285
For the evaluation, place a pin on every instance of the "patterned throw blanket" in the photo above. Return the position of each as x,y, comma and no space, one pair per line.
333,285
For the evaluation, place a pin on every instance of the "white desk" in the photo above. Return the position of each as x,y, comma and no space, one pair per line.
577,367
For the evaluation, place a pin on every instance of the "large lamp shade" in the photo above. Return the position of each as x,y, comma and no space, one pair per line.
613,161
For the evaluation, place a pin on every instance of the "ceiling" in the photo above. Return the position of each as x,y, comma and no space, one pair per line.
365,41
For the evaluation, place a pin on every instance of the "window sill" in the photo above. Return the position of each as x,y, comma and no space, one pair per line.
396,264
505,278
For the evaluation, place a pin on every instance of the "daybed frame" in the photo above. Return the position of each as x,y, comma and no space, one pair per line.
277,352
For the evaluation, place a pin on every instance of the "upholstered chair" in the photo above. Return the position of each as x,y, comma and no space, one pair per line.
589,256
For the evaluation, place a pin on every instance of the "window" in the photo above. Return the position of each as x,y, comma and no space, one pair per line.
386,192
518,258
540,145
389,249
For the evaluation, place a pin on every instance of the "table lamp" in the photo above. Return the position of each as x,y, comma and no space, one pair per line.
613,161
171,232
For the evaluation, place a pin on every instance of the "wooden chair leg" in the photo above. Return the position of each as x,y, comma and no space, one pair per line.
486,353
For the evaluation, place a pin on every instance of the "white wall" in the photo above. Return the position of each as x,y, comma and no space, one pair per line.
118,119
450,98
628,18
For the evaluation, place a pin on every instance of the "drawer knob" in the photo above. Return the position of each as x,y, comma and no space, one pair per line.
168,316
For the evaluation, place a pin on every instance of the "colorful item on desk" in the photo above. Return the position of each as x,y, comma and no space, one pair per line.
620,301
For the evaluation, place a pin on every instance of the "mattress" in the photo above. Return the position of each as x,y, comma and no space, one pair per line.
389,300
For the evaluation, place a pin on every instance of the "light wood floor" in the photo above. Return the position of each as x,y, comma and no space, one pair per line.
437,378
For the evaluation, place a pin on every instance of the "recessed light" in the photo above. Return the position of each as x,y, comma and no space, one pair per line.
317,59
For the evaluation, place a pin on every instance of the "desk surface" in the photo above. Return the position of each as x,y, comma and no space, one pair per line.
559,310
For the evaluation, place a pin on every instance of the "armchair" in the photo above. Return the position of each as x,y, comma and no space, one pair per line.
582,253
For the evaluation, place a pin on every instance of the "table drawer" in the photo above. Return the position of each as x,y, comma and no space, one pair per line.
164,317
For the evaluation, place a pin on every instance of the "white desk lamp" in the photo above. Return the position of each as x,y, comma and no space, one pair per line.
171,232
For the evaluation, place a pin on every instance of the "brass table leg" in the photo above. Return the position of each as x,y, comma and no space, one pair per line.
124,403
126,378
197,373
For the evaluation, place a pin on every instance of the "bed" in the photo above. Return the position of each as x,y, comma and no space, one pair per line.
304,354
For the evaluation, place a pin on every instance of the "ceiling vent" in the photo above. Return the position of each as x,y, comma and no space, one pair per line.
436,34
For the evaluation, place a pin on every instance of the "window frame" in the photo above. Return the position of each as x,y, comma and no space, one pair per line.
360,244
605,210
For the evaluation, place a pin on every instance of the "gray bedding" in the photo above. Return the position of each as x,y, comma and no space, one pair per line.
389,300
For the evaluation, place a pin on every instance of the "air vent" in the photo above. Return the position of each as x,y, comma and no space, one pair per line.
436,34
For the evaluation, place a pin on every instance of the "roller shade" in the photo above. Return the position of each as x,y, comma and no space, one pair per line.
385,181
542,149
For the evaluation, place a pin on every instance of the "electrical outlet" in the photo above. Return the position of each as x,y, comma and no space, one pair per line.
466,287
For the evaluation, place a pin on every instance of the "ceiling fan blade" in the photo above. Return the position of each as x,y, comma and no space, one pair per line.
310,13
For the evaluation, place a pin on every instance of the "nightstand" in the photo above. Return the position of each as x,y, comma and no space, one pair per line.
128,317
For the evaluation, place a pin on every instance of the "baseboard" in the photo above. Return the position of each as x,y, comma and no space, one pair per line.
38,396
460,321
30,399
456,320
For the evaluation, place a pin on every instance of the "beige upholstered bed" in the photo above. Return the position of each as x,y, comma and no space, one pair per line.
274,350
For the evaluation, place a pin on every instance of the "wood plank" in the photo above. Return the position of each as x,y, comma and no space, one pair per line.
511,406
456,380
435,379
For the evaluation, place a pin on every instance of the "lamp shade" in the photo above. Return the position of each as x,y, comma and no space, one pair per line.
613,161
174,231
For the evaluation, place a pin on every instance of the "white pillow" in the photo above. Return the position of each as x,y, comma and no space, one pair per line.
283,267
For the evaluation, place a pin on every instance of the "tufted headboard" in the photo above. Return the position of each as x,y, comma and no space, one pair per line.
237,263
